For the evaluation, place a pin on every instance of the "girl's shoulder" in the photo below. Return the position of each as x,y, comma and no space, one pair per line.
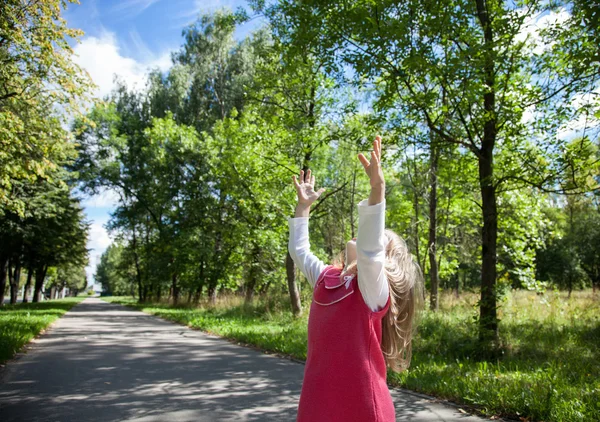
330,271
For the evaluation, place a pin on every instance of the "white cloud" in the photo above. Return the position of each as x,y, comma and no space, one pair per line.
201,7
530,32
102,59
533,24
584,123
105,199
131,8
97,244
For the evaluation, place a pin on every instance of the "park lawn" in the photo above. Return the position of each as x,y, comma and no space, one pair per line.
21,322
548,368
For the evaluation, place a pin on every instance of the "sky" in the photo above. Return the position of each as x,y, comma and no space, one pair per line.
127,38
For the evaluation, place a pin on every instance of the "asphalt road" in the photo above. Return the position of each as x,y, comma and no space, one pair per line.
105,362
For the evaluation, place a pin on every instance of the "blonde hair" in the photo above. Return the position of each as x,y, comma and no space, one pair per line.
405,280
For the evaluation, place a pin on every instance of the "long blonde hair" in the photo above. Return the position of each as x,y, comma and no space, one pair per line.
405,280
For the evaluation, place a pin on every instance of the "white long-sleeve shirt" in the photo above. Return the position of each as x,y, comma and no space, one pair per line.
370,251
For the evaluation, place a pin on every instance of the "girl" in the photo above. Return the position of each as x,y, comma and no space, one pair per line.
361,316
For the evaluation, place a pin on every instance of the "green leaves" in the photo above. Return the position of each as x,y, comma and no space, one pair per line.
35,56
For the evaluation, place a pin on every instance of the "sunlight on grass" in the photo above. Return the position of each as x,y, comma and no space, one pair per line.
22,322
548,367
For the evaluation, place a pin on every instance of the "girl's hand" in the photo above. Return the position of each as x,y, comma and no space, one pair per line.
373,168
306,189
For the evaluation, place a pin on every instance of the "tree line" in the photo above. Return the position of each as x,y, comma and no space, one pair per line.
43,232
473,106
450,86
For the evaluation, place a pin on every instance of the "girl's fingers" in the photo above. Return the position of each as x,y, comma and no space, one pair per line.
312,181
320,191
295,182
374,158
301,176
307,178
378,146
363,160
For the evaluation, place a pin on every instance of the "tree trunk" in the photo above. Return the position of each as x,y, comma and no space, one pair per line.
27,284
198,294
212,292
431,246
488,319
138,272
292,286
457,285
40,275
3,269
265,288
14,282
253,273
174,287
250,285
416,210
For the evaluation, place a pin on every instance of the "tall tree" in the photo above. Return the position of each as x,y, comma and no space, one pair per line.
37,74
421,53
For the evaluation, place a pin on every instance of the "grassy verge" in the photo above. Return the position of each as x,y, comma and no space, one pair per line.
548,368
20,323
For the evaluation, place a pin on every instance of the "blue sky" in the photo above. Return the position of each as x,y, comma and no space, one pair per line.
127,38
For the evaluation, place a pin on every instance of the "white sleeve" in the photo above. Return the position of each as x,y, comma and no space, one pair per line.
370,251
299,248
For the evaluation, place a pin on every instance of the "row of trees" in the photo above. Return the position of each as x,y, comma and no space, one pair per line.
43,232
482,180
465,73
473,98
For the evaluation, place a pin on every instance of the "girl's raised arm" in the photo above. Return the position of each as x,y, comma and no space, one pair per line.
371,241
299,246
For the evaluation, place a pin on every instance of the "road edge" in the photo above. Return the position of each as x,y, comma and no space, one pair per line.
30,345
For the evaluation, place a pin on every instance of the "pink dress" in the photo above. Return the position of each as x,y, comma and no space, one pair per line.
345,373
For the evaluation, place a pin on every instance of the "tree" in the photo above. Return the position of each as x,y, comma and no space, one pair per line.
37,74
110,274
294,92
422,54
68,276
255,173
587,232
212,69
58,240
52,233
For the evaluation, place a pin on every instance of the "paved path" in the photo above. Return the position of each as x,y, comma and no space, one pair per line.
105,362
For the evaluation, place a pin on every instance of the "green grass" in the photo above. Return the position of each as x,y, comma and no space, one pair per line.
20,323
548,367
